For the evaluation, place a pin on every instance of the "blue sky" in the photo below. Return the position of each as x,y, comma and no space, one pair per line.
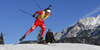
15,23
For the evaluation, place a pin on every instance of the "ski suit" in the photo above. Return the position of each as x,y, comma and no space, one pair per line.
39,22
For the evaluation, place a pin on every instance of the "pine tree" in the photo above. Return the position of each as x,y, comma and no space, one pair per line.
39,35
1,38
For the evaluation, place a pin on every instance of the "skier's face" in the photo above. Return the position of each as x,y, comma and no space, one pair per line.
47,12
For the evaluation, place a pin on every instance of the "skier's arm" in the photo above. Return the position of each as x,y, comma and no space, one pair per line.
38,12
35,13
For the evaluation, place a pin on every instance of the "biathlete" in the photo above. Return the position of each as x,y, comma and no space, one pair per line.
42,15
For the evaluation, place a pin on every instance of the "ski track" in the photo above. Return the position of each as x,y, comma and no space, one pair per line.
57,46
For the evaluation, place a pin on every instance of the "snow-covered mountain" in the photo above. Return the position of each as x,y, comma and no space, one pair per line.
57,46
84,27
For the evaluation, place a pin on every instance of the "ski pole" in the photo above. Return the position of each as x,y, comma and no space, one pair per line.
25,12
37,5
49,6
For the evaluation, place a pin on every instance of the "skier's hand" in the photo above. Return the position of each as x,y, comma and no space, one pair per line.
33,15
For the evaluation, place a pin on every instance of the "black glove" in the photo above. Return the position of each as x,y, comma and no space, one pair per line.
33,15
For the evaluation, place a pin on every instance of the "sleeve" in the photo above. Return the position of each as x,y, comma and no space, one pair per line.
39,12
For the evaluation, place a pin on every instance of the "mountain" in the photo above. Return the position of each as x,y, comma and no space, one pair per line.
87,27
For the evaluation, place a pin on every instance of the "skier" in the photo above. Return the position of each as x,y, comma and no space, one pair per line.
49,37
42,15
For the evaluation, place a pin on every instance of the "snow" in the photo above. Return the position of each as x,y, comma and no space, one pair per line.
98,19
88,21
57,46
91,21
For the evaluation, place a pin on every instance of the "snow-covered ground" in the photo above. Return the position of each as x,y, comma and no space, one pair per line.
57,46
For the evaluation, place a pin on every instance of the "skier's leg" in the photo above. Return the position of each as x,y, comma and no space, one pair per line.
32,28
43,30
28,32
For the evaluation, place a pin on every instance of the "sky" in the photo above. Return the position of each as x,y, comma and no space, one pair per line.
14,23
